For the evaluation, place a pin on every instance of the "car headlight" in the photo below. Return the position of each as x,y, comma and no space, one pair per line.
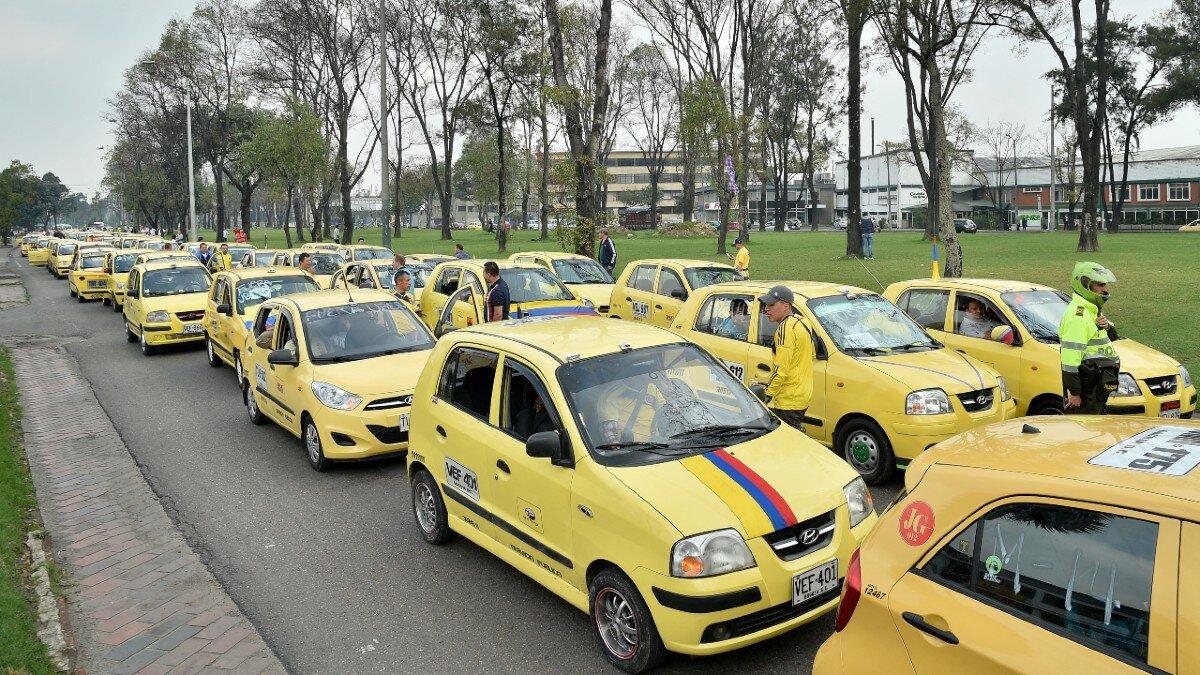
335,397
1185,378
120,285
858,499
1004,395
158,316
706,555
927,402
589,303
1126,386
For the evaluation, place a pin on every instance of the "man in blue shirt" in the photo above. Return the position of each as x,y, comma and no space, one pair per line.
497,299
204,254
460,253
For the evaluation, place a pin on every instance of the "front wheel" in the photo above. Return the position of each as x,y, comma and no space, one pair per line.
1050,405
213,359
256,416
312,447
71,291
430,509
867,450
147,348
623,624
130,336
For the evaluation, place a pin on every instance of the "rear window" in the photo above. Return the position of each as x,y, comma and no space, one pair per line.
254,292
66,249
699,277
123,263
92,262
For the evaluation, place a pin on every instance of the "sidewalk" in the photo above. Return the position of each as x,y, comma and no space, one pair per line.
139,599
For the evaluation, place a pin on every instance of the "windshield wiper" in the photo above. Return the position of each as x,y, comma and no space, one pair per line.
914,345
644,446
335,359
715,430
872,351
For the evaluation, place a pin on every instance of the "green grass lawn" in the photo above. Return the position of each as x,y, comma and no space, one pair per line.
1152,301
20,649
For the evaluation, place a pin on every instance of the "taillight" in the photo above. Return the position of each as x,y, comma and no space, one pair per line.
851,590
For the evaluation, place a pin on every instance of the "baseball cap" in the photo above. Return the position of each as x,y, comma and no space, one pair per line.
777,294
738,241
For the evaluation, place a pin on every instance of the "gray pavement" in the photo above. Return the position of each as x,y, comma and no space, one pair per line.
328,567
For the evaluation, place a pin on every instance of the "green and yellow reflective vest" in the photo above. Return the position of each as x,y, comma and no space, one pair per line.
1081,339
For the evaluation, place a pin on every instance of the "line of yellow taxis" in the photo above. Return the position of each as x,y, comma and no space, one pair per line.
625,465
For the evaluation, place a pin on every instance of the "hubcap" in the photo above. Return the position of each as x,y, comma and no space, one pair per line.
426,508
238,363
208,345
251,404
617,625
863,451
313,442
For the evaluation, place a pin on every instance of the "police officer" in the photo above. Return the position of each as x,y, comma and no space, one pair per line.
1090,365
790,389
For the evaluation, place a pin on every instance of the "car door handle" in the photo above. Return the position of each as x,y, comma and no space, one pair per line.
503,466
917,621
628,299
764,367
441,431
658,307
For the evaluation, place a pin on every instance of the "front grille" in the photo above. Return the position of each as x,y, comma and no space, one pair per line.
1161,386
802,538
978,400
772,616
393,402
190,316
388,434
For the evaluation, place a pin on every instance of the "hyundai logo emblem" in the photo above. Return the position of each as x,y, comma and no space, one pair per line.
407,400
810,536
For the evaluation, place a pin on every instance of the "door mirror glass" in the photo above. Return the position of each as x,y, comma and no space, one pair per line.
679,294
547,444
283,357
1005,335
225,309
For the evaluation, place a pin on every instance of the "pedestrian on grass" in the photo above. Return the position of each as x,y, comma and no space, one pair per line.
867,231
608,251
460,253
741,262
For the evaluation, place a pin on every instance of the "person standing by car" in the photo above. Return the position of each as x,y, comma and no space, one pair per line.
460,253
789,391
401,283
497,298
305,263
224,260
608,251
397,262
1090,364
741,262
204,254
867,230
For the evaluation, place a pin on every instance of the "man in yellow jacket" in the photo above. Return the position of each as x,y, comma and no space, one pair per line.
1090,364
789,391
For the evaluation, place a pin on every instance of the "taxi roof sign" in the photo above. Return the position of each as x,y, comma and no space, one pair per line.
1166,450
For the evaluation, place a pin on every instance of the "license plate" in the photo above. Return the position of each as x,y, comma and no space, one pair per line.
193,328
97,284
403,423
814,582
1173,413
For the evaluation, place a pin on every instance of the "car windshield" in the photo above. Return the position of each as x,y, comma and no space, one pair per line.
1040,311
418,273
175,280
237,252
254,292
66,249
866,325
581,271
699,277
154,245
372,254
323,263
527,284
92,262
43,243
659,403
261,258
123,263
363,330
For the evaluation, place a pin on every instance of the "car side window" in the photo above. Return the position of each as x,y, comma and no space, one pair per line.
1081,572
265,323
766,327
447,281
226,296
285,336
467,380
975,317
470,278
216,290
132,286
642,278
725,316
926,306
525,408
670,285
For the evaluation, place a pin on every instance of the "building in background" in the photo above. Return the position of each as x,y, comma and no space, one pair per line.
820,203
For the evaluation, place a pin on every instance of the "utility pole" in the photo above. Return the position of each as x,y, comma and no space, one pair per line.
1053,176
872,135
385,219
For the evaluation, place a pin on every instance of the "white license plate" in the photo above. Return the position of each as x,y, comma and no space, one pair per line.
193,328
403,423
97,284
1173,413
814,582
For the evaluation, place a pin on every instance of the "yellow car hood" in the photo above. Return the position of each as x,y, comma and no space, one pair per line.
757,487
1141,361
184,302
598,294
371,377
942,368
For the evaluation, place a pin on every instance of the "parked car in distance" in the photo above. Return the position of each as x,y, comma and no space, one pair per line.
965,226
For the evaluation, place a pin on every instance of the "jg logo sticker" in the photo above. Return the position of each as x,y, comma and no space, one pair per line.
916,524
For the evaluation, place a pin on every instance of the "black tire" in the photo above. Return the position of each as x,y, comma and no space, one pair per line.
81,298
71,291
429,510
867,450
106,301
147,348
1047,405
313,450
130,336
213,360
116,307
623,624
251,401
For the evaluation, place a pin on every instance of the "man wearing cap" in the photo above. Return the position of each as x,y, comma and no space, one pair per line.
608,251
742,262
790,388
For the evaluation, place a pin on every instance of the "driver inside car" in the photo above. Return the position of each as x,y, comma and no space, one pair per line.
628,407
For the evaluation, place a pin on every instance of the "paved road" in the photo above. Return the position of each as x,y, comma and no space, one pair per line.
329,567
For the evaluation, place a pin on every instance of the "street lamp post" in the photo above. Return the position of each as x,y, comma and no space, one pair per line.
191,173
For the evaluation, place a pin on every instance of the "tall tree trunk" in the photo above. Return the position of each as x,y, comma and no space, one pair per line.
854,23
298,208
344,179
287,215
247,196
688,181
219,189
544,179
502,218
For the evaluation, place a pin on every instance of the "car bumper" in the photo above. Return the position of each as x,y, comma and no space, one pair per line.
913,434
1154,406
752,605
91,293
362,434
172,333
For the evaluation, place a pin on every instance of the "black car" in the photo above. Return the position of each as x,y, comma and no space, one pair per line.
965,226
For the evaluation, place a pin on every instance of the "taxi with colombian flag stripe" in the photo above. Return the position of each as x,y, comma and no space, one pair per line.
627,471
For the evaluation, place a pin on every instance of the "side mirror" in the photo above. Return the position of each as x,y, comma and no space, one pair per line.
679,294
225,308
548,444
283,357
1006,335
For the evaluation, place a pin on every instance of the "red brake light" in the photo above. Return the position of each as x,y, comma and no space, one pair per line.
851,590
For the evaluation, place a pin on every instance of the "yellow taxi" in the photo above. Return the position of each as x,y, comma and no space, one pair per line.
117,264
152,244
431,259
653,291
1042,545
336,369
86,280
131,240
585,277
359,252
624,469
883,389
39,252
321,246
367,274
164,303
1013,327
456,297
233,302
261,257
27,243
325,263
62,254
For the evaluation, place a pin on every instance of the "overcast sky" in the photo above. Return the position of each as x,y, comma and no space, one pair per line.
61,60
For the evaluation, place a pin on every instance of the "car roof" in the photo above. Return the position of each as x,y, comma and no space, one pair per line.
1080,448
566,338
500,262
808,289
334,298
90,252
553,255
682,262
166,263
241,273
996,285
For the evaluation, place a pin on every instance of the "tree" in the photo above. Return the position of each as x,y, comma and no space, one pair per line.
997,160
654,122
854,15
20,192
476,173
52,198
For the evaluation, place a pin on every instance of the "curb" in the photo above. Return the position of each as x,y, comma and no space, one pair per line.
50,629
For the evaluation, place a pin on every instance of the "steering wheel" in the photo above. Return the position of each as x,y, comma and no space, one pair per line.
877,334
666,419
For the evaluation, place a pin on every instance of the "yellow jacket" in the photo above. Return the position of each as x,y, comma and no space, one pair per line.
791,385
